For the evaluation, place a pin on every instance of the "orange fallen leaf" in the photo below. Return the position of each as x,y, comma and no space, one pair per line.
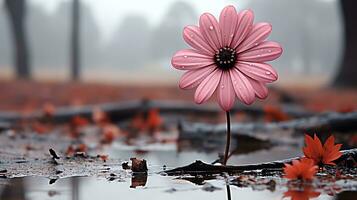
321,155
48,110
138,122
273,113
40,128
154,120
109,133
303,169
104,158
73,149
99,117
79,121
82,148
70,151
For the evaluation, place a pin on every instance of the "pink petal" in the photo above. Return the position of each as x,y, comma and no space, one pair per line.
258,71
242,87
226,95
257,34
208,86
244,25
261,91
228,23
189,59
265,51
193,78
193,37
210,30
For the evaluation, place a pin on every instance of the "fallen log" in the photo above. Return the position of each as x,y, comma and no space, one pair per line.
201,168
328,122
128,109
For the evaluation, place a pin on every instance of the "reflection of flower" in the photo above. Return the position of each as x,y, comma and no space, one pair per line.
305,194
322,154
300,169
229,54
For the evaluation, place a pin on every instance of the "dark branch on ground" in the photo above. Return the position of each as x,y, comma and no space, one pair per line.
201,168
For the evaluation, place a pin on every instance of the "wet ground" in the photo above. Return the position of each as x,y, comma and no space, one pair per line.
116,183
83,172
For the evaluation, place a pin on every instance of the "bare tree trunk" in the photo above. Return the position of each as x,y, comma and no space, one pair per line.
17,11
75,41
348,70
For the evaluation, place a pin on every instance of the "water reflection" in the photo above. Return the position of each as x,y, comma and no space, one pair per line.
155,187
301,193
138,180
14,190
228,189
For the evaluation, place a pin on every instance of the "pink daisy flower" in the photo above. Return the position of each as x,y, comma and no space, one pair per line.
230,55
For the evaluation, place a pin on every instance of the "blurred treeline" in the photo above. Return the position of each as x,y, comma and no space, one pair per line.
311,32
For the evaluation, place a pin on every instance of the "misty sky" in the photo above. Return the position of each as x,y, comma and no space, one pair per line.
109,12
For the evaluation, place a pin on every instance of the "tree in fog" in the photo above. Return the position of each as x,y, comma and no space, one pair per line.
17,15
49,36
75,39
128,47
167,37
4,39
348,70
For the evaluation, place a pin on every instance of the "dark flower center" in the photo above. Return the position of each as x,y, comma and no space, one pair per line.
225,58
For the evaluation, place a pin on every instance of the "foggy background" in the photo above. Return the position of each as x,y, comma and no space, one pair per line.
133,41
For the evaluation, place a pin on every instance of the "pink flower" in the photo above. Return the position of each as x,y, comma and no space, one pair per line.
229,55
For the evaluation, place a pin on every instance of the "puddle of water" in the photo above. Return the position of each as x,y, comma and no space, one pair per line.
171,157
157,187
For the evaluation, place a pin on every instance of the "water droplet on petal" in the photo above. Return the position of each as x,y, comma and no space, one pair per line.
192,35
256,44
232,35
267,73
211,27
185,56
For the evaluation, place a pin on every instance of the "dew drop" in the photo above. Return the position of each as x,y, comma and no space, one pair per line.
256,44
267,73
211,27
185,56
232,35
192,35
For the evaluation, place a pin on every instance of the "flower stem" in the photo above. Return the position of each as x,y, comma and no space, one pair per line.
228,140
